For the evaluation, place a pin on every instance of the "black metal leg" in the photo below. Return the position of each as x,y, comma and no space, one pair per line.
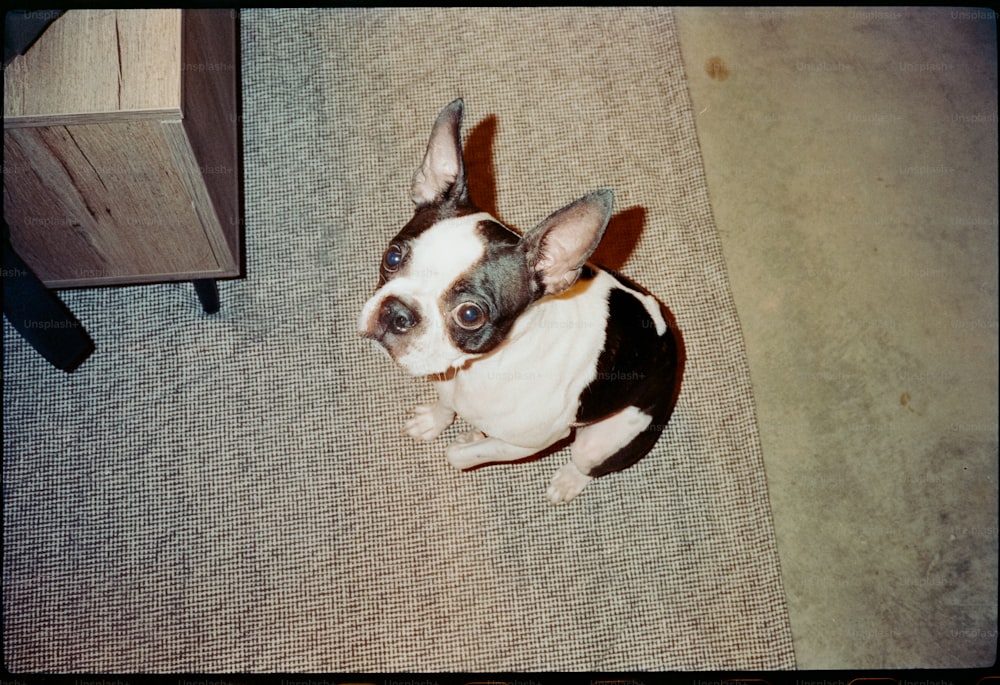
208,293
40,316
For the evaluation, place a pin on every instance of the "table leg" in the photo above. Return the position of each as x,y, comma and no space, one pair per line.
208,293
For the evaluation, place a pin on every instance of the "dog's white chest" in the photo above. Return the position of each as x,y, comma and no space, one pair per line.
530,387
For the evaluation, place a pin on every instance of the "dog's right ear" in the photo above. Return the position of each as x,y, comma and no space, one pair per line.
557,248
441,176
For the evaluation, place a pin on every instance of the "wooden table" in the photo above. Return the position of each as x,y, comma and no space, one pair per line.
122,155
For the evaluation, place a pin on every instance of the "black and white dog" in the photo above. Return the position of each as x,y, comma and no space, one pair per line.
522,337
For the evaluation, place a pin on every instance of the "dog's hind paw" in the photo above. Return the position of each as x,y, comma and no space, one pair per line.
567,483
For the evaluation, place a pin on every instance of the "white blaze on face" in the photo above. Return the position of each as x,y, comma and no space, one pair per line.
437,258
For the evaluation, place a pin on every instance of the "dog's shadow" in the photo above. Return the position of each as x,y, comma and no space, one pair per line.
624,230
479,169
621,238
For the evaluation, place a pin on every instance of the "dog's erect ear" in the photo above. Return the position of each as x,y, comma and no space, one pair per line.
441,177
558,247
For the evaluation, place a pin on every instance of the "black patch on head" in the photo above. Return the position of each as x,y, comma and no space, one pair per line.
500,283
423,219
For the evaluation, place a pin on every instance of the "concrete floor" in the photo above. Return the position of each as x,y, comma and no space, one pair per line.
851,157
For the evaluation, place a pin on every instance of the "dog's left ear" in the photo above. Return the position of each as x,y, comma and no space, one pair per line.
558,247
441,176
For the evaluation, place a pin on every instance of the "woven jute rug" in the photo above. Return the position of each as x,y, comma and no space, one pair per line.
233,493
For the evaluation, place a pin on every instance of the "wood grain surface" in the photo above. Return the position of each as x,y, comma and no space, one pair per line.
121,146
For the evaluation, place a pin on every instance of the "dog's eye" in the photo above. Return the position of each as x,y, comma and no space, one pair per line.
393,257
469,316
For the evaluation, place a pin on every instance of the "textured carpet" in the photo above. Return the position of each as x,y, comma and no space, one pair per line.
233,493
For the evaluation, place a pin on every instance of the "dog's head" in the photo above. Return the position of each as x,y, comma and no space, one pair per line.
454,280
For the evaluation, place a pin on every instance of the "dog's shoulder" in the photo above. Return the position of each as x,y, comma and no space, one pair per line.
639,352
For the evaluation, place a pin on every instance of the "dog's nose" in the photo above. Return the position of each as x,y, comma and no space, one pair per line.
396,316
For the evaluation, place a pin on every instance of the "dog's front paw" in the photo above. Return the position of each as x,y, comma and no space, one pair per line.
428,421
461,453
567,483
